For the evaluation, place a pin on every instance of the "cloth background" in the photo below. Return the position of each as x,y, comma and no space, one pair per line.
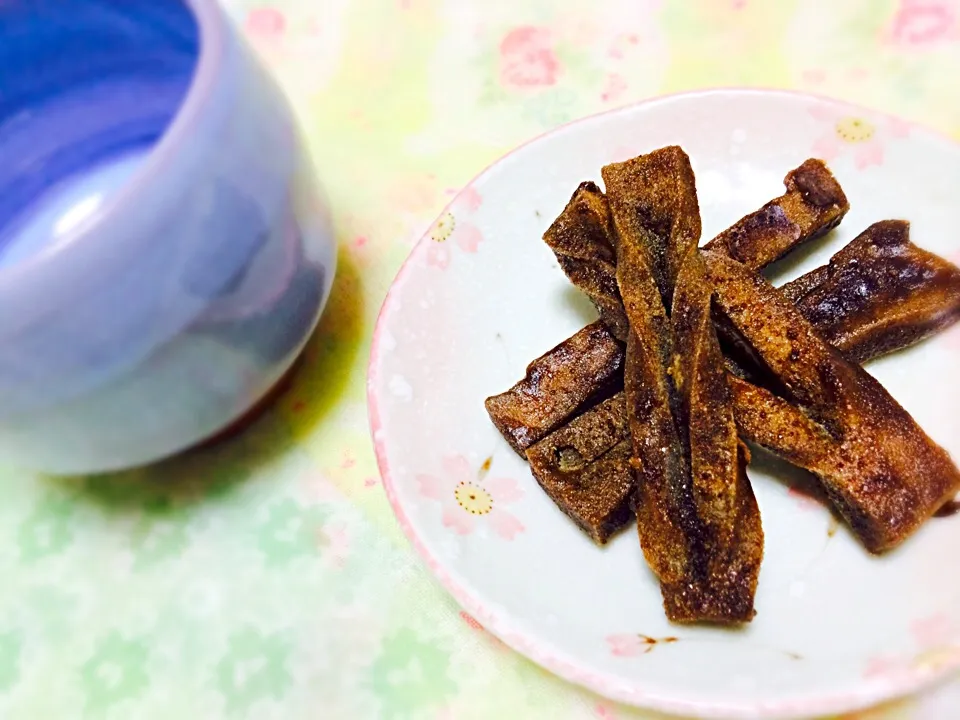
265,577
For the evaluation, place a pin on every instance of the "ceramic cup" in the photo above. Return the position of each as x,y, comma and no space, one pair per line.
164,252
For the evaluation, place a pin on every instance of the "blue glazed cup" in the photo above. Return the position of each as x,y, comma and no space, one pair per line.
164,252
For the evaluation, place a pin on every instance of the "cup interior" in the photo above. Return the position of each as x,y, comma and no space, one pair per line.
88,88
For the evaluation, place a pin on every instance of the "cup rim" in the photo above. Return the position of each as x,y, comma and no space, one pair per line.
212,26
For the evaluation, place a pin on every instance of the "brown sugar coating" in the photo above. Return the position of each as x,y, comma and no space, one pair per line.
576,374
728,530
581,239
655,196
782,428
855,310
797,289
583,230
881,293
773,423
813,205
882,249
886,477
786,430
666,518
584,467
698,521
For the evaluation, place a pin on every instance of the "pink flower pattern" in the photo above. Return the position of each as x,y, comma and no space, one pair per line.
933,634
933,630
464,235
622,44
922,23
604,712
466,501
846,132
884,667
625,645
266,23
471,199
893,669
527,59
614,88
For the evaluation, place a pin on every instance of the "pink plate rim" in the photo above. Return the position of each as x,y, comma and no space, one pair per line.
499,623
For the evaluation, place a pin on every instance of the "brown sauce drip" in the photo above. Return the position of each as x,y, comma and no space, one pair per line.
485,468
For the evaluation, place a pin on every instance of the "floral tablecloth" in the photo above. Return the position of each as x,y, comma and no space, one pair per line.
266,577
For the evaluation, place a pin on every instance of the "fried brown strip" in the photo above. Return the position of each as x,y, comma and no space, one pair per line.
667,522
585,469
654,197
795,290
773,423
728,527
698,522
581,370
813,205
880,293
887,477
783,428
581,239
936,281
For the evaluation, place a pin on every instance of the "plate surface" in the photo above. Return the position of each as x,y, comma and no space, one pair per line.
482,295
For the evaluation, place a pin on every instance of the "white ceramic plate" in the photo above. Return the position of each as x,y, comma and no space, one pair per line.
481,295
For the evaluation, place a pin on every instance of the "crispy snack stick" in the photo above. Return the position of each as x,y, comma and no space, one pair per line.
893,321
880,293
653,201
813,205
864,325
803,285
773,423
886,476
581,238
781,427
585,469
728,530
580,371
667,521
697,518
